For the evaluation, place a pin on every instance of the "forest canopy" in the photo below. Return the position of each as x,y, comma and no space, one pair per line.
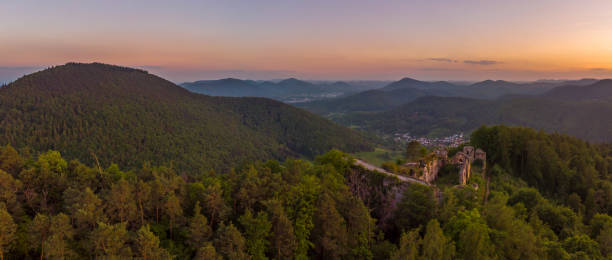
328,208
126,116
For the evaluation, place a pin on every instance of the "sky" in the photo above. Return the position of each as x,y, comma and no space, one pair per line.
314,39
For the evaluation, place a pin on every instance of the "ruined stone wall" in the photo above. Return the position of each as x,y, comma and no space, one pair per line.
464,173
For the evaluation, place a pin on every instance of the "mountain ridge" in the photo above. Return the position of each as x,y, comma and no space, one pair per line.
86,109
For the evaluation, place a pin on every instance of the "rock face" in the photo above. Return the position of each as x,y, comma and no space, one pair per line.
465,159
427,169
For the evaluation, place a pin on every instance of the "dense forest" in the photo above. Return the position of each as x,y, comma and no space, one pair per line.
443,116
438,109
543,197
97,112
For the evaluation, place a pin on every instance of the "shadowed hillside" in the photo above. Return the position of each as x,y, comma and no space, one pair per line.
128,116
580,111
406,90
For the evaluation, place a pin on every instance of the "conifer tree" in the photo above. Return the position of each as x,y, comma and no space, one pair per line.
435,244
283,238
198,230
231,243
408,246
121,206
207,252
56,246
173,209
330,233
147,245
7,231
110,240
257,230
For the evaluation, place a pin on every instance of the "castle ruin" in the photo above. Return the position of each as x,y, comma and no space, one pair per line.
427,168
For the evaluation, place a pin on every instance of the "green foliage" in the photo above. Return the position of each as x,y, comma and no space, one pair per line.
107,114
380,155
110,240
416,207
567,168
443,116
147,245
141,213
408,246
7,231
435,244
198,229
582,245
298,210
413,150
257,230
230,242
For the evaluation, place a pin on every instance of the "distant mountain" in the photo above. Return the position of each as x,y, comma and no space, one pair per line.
581,111
370,100
130,117
229,87
289,90
406,90
417,84
601,90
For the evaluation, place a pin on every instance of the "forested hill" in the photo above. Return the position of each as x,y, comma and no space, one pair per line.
601,90
407,90
580,111
130,117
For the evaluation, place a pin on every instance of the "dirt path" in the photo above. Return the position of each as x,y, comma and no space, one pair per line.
383,171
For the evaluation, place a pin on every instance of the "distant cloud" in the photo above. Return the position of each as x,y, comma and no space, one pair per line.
150,67
443,60
600,70
482,62
439,69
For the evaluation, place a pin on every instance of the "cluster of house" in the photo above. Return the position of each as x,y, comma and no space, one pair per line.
450,141
427,168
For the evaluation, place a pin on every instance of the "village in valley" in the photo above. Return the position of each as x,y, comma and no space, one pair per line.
450,141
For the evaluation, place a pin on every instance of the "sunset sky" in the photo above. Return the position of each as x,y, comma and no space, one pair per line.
330,40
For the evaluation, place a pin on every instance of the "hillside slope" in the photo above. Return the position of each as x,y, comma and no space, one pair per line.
441,116
131,117
407,90
289,90
601,90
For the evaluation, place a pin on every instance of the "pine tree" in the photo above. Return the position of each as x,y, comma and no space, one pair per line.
120,206
257,229
56,246
173,209
231,243
38,232
147,245
110,240
9,187
408,246
435,244
330,230
142,195
198,231
7,231
207,252
283,238
360,227
85,208
214,203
